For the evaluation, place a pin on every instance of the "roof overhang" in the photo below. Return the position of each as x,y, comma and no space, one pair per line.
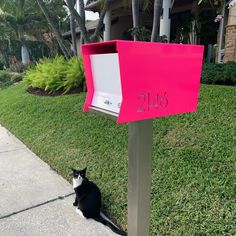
90,26
96,6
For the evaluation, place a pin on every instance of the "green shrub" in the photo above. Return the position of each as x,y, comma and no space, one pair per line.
52,75
224,74
5,79
74,74
1,63
16,77
18,67
37,50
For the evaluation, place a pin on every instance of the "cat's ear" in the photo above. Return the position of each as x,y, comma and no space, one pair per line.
84,170
73,169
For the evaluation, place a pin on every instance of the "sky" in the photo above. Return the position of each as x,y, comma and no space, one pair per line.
89,14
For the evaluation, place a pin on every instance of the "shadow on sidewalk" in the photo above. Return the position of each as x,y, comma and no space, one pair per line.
38,205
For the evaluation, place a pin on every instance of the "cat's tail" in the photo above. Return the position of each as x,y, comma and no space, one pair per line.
104,220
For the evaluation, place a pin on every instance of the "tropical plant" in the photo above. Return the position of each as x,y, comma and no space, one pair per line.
1,63
21,18
47,74
55,74
5,35
105,4
5,79
229,3
11,48
140,33
157,6
79,19
74,74
50,20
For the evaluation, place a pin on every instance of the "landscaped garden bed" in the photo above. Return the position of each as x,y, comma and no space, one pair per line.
57,76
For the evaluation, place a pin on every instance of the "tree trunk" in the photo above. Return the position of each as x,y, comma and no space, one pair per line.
100,22
82,10
73,35
24,54
81,23
135,13
79,20
156,19
82,15
56,32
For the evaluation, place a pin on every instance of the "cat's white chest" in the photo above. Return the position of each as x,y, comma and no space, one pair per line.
78,211
77,182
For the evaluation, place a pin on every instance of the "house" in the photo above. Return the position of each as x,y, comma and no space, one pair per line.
227,42
90,25
182,21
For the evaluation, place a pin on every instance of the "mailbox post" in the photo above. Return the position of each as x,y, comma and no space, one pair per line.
139,176
136,82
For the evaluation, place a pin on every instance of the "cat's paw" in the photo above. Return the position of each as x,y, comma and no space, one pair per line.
78,211
75,204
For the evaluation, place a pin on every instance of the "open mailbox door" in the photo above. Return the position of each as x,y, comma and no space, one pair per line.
142,80
106,81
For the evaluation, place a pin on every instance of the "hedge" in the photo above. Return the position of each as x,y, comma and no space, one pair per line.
223,74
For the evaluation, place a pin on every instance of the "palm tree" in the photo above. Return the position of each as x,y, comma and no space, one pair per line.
60,40
19,16
81,22
73,32
82,15
82,10
156,16
5,38
135,14
156,19
105,4
73,35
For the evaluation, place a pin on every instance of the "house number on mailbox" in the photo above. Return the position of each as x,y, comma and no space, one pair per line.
148,101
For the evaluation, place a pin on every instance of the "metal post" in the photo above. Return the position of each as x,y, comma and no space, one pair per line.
139,177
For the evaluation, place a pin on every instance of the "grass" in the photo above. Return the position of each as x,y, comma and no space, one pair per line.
194,156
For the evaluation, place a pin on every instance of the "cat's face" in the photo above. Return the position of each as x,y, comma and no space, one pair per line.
78,176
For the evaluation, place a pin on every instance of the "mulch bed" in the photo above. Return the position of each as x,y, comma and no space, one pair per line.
41,92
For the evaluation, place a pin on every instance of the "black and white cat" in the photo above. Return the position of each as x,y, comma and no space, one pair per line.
88,200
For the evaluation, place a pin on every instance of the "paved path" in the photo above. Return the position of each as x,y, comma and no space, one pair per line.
35,200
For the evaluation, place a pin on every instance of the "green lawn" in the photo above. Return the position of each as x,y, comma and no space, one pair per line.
194,158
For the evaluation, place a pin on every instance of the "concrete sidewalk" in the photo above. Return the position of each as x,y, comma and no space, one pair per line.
35,200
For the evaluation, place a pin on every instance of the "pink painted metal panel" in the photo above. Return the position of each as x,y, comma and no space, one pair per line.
157,79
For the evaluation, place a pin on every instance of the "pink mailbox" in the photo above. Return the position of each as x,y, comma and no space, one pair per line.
142,80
